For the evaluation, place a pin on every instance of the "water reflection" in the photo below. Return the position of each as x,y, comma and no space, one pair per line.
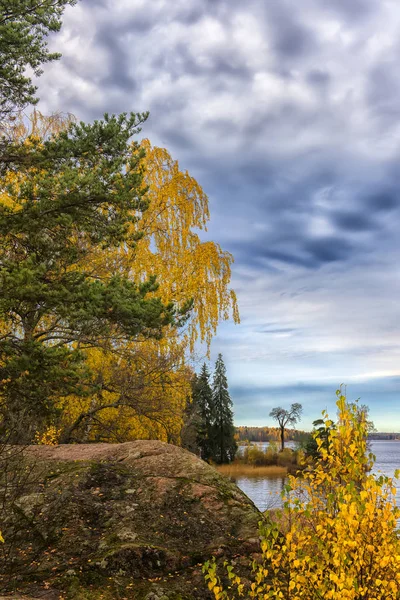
265,491
387,454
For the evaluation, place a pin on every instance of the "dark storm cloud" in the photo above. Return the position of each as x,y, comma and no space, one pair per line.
291,39
221,65
383,91
117,74
353,221
328,249
259,254
273,328
318,78
383,201
310,254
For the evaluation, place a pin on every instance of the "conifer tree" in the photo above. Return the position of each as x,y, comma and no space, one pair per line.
223,431
192,424
202,399
24,29
78,190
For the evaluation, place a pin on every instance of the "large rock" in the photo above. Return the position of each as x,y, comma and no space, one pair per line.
138,517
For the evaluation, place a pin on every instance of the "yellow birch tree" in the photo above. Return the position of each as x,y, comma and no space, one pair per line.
191,270
141,387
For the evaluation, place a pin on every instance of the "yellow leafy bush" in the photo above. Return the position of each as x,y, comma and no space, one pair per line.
49,437
336,536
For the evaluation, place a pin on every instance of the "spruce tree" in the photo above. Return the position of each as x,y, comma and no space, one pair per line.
202,399
224,446
193,423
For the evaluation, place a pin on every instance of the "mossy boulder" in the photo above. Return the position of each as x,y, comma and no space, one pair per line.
134,519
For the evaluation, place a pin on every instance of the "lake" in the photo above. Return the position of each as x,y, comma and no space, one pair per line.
265,491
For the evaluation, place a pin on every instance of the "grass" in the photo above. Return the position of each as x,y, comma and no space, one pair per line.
243,470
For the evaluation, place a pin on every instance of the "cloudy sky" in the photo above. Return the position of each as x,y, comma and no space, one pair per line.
288,114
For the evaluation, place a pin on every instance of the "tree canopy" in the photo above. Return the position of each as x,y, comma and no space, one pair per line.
81,189
24,28
286,417
142,234
193,273
101,263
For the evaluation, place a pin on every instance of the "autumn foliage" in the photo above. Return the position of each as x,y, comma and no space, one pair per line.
145,386
131,386
337,534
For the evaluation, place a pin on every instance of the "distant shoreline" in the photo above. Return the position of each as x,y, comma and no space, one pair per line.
378,436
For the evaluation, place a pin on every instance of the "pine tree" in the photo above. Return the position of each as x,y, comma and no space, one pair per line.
78,191
24,29
223,431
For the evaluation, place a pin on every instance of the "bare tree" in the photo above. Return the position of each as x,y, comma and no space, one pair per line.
286,417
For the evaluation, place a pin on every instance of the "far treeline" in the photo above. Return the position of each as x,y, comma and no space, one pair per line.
268,434
272,434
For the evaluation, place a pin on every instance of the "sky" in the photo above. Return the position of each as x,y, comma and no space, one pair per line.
288,115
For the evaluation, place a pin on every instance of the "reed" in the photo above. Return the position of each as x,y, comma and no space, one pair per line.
242,470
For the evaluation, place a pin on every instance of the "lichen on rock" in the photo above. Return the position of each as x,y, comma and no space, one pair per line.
140,516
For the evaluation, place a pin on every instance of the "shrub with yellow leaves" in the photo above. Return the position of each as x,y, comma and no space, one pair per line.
336,536
49,437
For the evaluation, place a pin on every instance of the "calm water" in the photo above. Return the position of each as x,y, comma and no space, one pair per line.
265,491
